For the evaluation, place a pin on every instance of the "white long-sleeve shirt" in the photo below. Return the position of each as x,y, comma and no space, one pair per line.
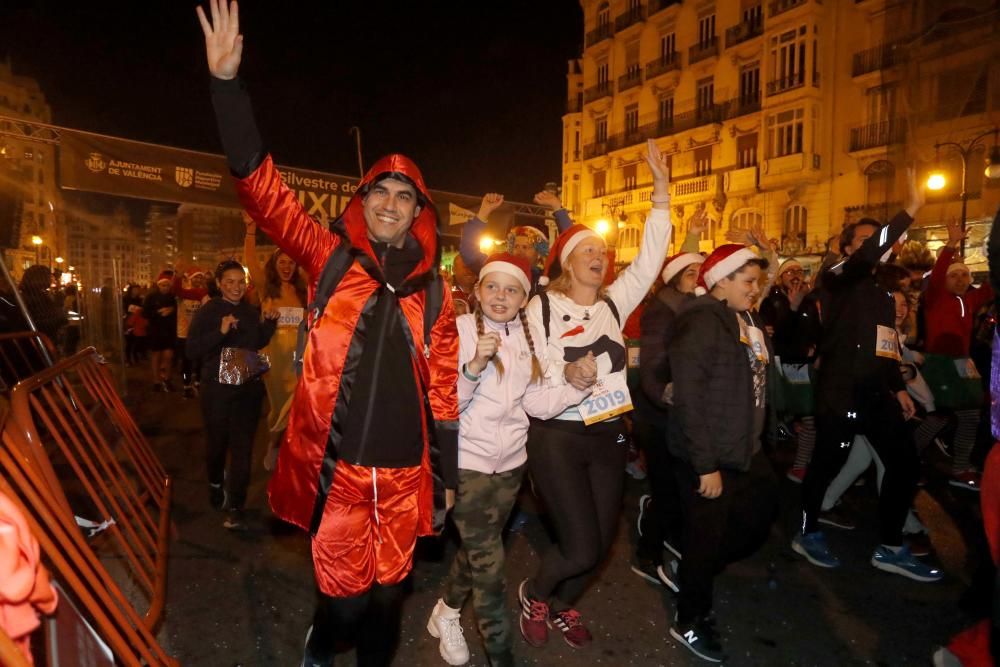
575,329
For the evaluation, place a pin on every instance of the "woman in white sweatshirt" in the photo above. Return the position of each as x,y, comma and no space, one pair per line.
499,371
576,458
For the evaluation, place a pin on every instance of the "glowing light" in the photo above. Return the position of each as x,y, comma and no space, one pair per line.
936,181
993,169
36,240
486,244
59,260
602,227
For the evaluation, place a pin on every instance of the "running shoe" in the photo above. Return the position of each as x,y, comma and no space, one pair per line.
634,466
669,545
445,624
944,658
668,576
796,474
904,563
942,447
700,637
234,520
534,617
644,502
646,568
573,630
969,480
837,518
813,547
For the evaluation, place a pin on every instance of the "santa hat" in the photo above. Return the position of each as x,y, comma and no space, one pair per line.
677,263
536,235
165,277
565,244
788,265
724,260
504,262
194,273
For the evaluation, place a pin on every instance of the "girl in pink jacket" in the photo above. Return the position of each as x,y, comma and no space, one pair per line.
499,384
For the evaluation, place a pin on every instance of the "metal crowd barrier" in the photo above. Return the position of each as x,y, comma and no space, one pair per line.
10,655
22,354
69,417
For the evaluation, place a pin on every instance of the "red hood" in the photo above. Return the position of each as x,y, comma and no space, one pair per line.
425,225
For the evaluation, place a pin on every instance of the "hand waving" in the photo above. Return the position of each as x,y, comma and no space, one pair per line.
548,199
223,41
657,162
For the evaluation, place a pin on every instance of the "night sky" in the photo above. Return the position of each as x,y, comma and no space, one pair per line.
474,92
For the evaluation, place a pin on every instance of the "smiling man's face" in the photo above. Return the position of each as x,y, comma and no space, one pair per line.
390,208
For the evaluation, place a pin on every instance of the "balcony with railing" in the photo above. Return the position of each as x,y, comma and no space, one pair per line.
786,83
598,34
877,135
575,103
630,79
704,50
876,58
668,62
742,32
595,149
742,106
740,180
630,17
659,5
597,91
695,188
778,7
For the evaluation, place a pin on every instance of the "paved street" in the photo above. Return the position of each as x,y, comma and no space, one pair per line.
247,599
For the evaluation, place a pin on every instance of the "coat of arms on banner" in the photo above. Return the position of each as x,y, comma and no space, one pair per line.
184,176
95,162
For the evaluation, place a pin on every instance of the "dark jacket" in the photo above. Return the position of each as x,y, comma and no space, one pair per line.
796,332
853,305
654,369
163,328
712,419
205,339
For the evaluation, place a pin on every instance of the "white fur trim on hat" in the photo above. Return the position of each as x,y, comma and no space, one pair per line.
679,263
500,266
728,265
957,265
575,240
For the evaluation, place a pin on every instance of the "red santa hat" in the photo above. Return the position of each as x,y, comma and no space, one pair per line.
165,277
194,273
724,260
504,262
677,263
565,244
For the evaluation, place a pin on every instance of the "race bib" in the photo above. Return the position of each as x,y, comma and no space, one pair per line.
290,316
608,398
886,343
753,337
966,368
633,357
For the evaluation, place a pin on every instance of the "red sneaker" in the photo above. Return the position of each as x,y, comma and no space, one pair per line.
796,474
573,630
534,618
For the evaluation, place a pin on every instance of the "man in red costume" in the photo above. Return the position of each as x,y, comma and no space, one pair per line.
371,445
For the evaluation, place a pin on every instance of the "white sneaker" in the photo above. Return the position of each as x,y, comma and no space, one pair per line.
445,624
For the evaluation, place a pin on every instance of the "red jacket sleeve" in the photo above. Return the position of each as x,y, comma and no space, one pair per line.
277,211
179,290
939,274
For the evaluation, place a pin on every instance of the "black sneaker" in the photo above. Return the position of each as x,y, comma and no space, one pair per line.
673,546
646,568
217,496
667,574
644,502
699,637
234,520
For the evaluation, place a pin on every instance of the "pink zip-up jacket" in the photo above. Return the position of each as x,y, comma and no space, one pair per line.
493,413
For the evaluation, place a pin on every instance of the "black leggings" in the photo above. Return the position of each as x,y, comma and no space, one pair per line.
881,421
371,620
578,470
662,519
231,413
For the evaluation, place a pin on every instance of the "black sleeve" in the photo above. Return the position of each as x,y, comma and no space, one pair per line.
265,331
868,255
446,434
693,347
652,351
203,334
237,127
994,258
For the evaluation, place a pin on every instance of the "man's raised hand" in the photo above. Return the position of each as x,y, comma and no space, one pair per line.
491,202
223,41
548,199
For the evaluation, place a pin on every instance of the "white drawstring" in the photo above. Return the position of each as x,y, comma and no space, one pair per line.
963,305
378,525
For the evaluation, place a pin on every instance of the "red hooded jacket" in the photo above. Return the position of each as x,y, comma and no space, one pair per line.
304,472
949,317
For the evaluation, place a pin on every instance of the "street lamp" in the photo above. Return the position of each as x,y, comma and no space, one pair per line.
602,227
36,240
965,150
59,260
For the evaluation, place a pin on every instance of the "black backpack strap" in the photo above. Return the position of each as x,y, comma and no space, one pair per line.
546,312
336,266
432,309
614,309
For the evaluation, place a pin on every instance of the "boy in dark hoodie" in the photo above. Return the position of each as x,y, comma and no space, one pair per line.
718,356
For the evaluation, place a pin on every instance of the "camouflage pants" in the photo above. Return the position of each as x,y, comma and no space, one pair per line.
482,504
